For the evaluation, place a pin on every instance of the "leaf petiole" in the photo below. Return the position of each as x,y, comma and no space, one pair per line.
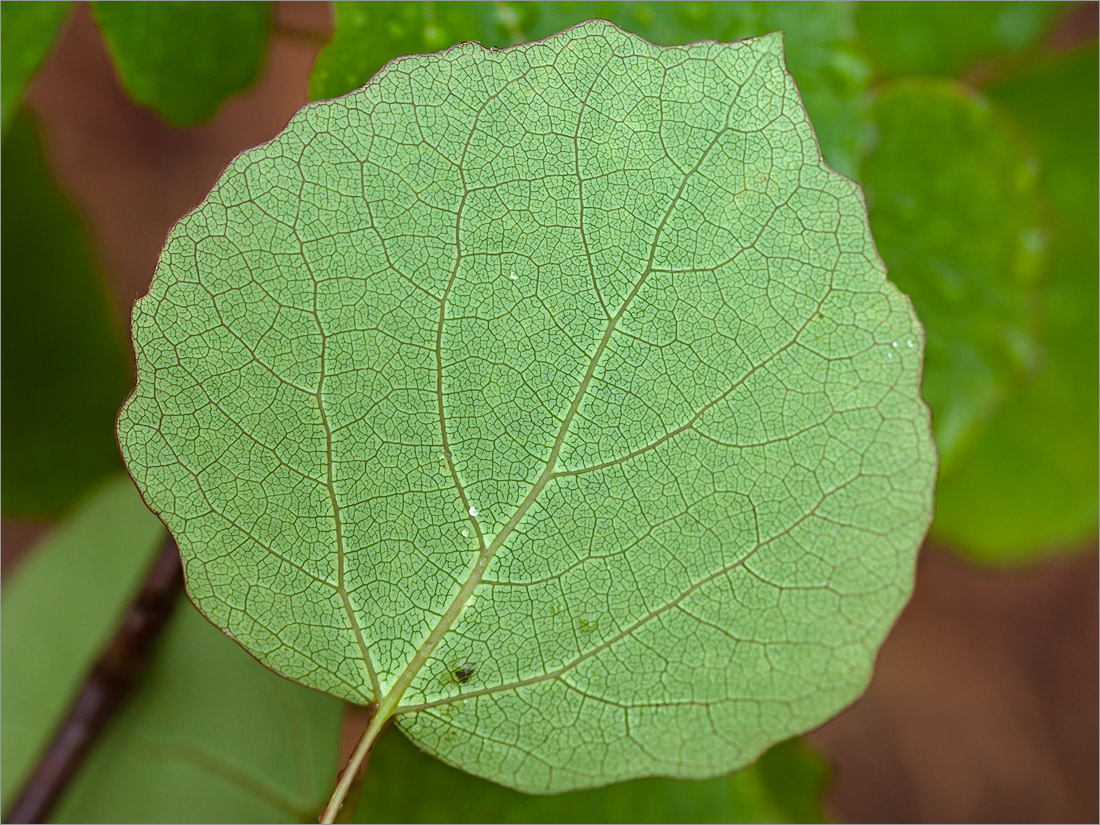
355,764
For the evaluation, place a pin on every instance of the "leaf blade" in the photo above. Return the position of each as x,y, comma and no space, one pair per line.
487,443
825,59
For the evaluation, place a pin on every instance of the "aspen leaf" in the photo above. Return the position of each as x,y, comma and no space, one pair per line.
554,398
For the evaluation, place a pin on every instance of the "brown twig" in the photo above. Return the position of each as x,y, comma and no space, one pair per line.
106,685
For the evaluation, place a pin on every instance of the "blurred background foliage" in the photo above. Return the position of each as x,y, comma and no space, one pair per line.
973,130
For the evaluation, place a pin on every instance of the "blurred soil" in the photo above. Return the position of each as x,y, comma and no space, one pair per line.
984,702
983,706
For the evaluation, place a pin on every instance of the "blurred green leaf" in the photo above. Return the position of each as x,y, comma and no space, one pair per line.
210,736
59,608
948,38
1029,485
28,32
785,785
819,43
954,206
184,59
66,368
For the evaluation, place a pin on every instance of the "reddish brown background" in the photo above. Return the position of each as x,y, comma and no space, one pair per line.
984,702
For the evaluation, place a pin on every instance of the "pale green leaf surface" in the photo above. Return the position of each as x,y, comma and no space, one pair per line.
65,366
59,607
556,396
820,42
949,38
28,31
785,785
209,736
954,204
1028,486
181,58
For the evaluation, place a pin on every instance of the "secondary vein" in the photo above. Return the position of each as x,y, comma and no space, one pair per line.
392,699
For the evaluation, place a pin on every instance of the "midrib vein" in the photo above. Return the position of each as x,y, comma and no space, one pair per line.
391,701
649,616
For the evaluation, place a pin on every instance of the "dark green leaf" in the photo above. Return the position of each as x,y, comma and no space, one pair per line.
28,31
184,59
954,205
65,365
785,785
1029,484
948,38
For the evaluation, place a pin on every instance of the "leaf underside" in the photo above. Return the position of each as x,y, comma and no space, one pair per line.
555,396
822,51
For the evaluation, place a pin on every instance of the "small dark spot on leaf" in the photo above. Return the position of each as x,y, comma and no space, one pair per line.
463,673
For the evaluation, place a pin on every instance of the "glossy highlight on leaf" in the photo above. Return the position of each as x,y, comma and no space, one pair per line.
554,398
